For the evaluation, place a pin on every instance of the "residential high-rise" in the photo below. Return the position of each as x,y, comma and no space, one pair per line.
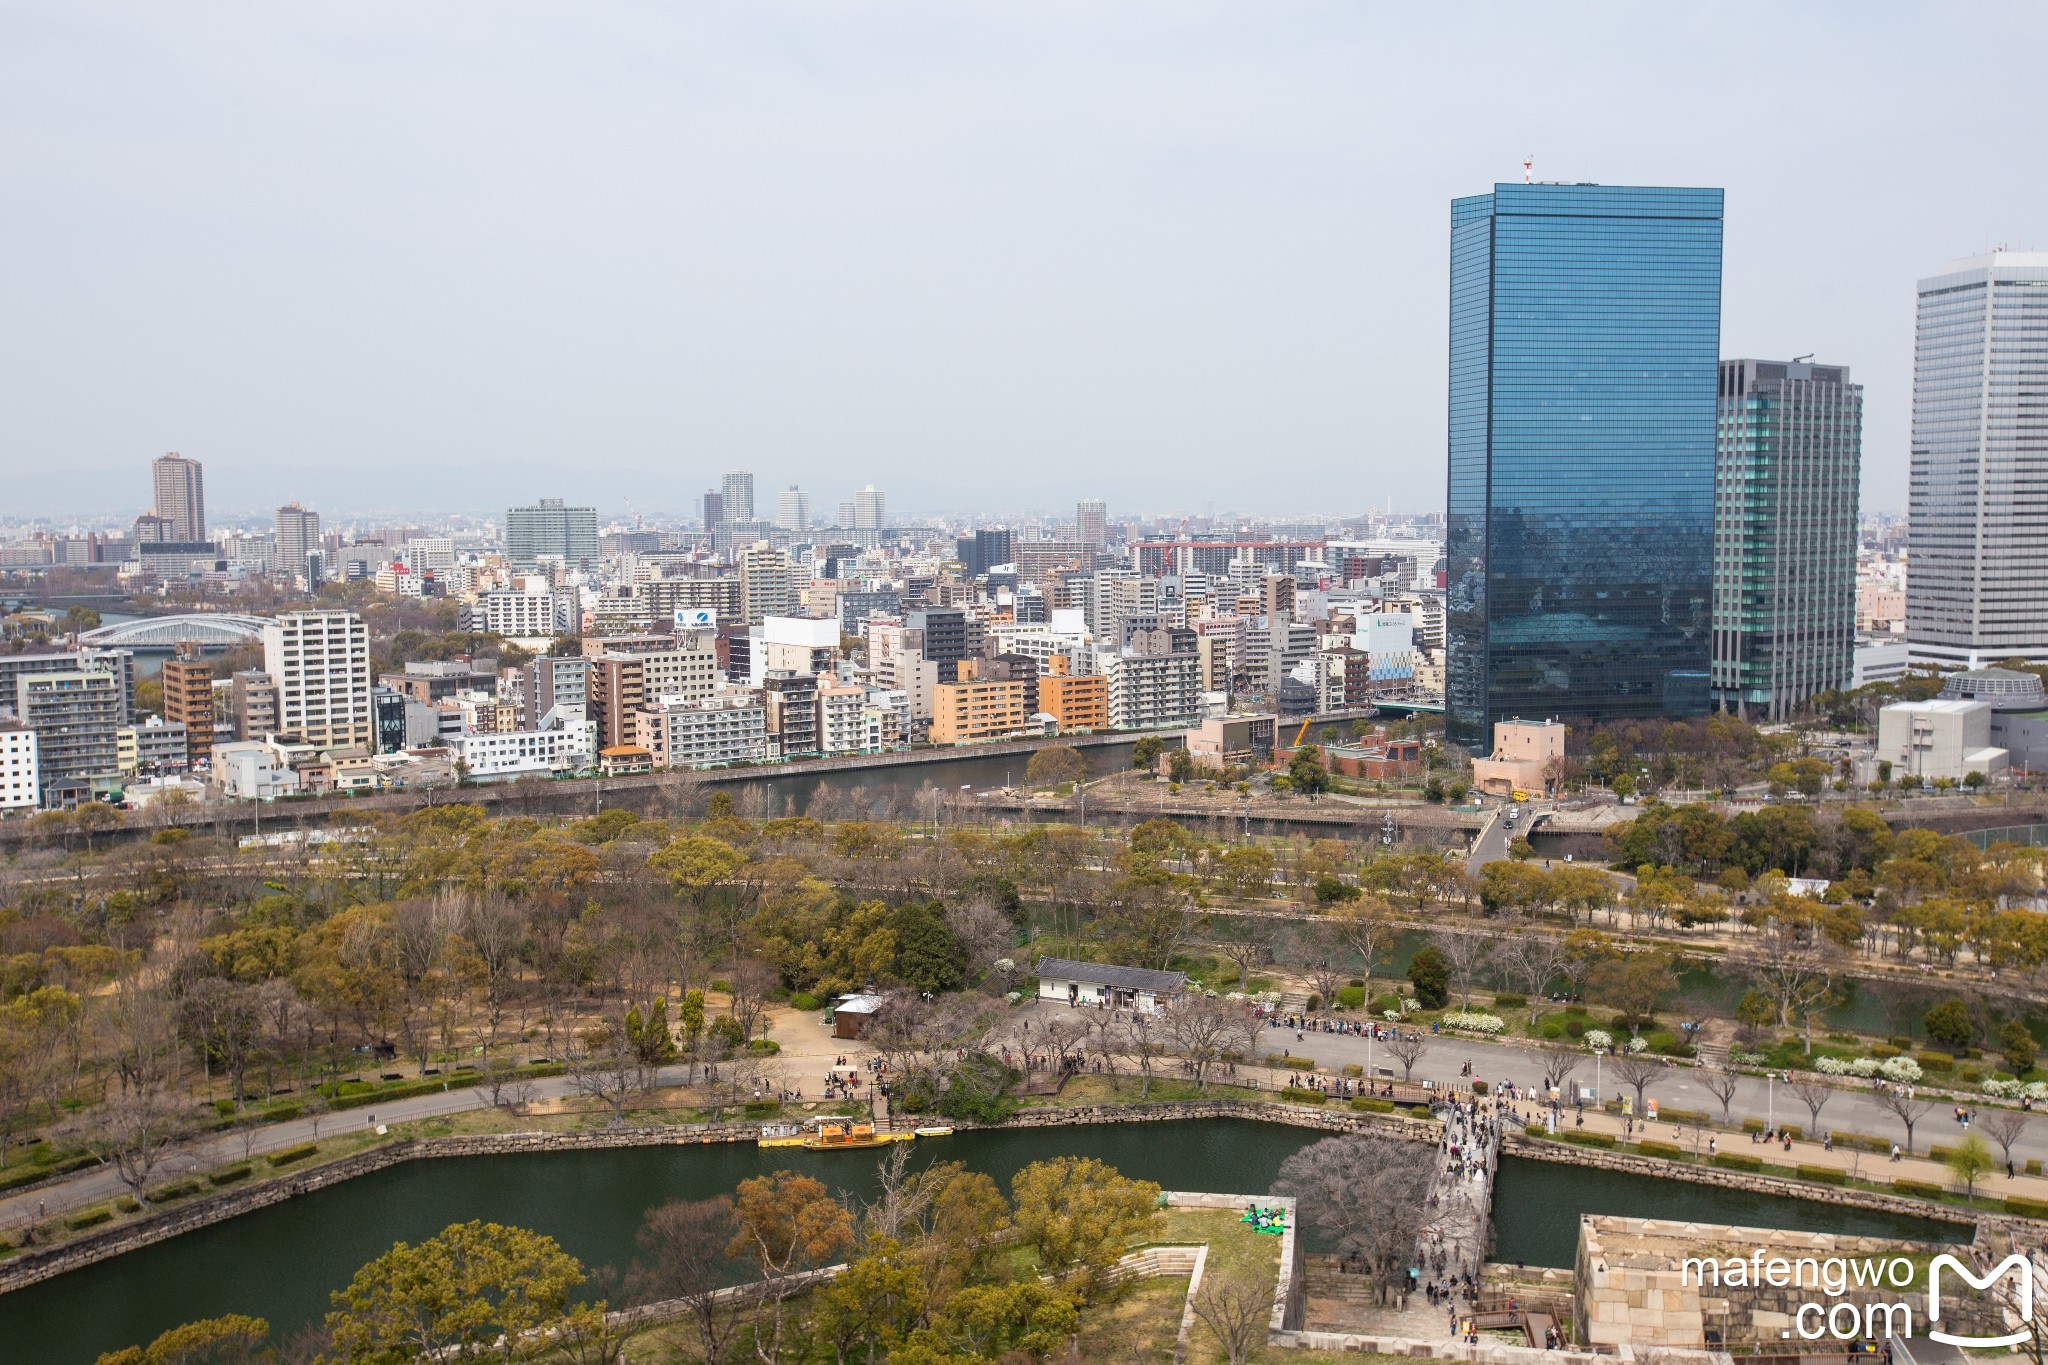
21,785
1584,349
188,700
765,589
794,512
298,535
1977,575
738,496
180,497
714,511
1786,479
320,661
551,529
870,509
76,717
1090,515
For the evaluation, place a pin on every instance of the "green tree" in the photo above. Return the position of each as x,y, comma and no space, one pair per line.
2018,1047
994,1322
1305,771
1969,1160
473,1289
1180,766
1055,766
1431,976
230,1340
1145,753
1079,1215
1948,1023
928,957
695,863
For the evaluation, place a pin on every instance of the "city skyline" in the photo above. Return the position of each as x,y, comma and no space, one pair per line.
1279,318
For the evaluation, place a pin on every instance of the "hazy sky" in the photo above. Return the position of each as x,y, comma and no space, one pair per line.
984,255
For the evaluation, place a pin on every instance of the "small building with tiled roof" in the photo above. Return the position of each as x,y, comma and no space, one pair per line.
1106,986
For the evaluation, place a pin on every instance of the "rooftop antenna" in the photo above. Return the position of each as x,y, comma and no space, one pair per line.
1528,165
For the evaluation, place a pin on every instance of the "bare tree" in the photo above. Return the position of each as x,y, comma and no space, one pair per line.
751,981
1366,927
2005,1126
984,933
1532,960
1364,1194
1466,954
1721,1082
1408,1048
1142,1039
682,1258
1558,1066
1209,1032
605,1066
1814,1093
1639,1071
1906,1111
1246,941
1235,1309
134,1130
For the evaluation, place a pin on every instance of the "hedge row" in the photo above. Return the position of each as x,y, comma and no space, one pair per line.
1291,1063
228,1176
1296,1095
78,1222
2026,1208
1364,1105
1670,1151
405,1090
1918,1189
291,1154
1825,1175
1588,1139
1738,1161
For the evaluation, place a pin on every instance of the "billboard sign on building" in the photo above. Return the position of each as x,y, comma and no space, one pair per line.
696,618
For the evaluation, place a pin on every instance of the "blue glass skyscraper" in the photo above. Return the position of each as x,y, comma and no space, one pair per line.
1585,340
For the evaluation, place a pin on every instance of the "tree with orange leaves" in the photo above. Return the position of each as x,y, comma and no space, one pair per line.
788,1223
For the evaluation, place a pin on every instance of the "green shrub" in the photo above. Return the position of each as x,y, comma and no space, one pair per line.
1480,1088
803,1001
761,1109
79,1222
181,1189
284,1113
1365,1105
346,1096
1670,1151
1752,1125
1937,1152
2026,1208
229,1176
225,1108
1824,1175
1420,1111
290,1154
1533,1130
1916,1189
1970,1075
1936,1062
764,1047
1574,1009
1353,1070
1291,1063
128,1203
1510,1001
2033,1165
1575,1028
1692,1116
1296,1095
1605,1140
1884,1051
1551,1028
1738,1161
1351,997
1382,1003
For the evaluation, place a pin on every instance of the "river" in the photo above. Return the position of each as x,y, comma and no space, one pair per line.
280,1263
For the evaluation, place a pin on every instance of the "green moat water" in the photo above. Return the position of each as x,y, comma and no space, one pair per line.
280,1263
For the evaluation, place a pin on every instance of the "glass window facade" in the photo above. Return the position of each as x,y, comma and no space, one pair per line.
1789,466
1585,340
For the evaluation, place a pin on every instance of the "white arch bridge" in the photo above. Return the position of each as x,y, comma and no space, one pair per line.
211,629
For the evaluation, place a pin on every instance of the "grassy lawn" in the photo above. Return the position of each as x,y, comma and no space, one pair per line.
1140,1326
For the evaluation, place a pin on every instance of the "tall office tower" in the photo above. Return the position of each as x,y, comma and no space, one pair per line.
549,528
1786,477
298,535
1089,516
320,661
181,497
714,511
1977,562
1585,336
992,547
739,496
188,700
75,715
765,589
870,511
794,513
842,516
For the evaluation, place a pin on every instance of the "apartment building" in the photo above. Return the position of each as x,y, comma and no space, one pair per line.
321,663
1076,702
188,701
75,716
1149,691
792,700
725,727
964,712
529,612
20,774
252,700
513,753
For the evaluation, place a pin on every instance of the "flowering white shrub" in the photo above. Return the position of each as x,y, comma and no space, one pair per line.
1866,1067
2004,1090
1005,965
1748,1058
1013,997
1639,1045
1900,1069
1831,1066
1267,997
1392,1016
1598,1038
2034,1090
1474,1022
1411,1006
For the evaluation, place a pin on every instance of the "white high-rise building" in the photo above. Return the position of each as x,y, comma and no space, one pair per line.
298,534
794,513
1090,523
765,588
320,661
180,497
1977,576
20,776
870,510
738,505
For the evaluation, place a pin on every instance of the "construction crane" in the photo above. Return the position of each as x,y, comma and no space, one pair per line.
637,523
1302,733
